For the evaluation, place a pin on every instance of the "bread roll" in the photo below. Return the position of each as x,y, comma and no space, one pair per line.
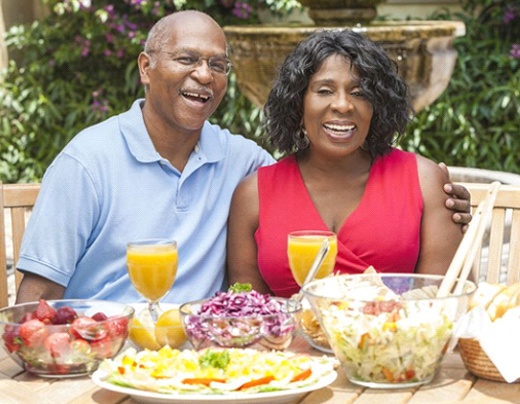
506,299
485,294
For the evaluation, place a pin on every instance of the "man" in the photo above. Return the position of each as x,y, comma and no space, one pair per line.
159,170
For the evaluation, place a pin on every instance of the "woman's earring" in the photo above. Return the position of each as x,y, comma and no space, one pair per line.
301,139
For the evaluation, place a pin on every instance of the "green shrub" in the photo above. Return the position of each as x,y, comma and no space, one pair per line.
476,121
78,66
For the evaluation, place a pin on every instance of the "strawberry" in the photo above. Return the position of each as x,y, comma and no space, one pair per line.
11,338
99,316
85,327
58,344
33,332
65,315
117,328
27,317
80,346
44,312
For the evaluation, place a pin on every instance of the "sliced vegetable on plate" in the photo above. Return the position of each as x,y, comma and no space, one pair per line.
215,371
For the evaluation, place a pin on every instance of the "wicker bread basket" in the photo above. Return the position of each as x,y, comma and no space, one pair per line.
477,362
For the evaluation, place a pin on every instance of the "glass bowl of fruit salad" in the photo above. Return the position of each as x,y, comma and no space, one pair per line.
64,338
387,330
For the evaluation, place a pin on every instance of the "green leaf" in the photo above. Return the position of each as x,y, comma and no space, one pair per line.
240,287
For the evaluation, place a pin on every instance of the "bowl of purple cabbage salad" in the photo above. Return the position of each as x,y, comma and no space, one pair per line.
240,318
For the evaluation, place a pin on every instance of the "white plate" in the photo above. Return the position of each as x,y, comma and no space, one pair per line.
272,397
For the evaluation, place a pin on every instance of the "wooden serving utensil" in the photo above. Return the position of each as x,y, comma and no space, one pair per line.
465,255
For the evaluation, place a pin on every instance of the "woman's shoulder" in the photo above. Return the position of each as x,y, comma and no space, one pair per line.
406,157
395,160
284,164
428,168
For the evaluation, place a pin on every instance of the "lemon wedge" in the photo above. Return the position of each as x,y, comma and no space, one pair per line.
169,329
141,333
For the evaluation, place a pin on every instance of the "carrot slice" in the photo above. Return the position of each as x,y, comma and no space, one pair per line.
388,374
202,380
257,382
302,376
362,340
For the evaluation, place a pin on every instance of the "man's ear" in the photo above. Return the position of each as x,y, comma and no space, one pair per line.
144,62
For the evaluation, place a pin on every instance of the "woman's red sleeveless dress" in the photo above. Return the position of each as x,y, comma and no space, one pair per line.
383,231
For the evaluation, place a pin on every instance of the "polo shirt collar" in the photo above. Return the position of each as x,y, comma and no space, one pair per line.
133,129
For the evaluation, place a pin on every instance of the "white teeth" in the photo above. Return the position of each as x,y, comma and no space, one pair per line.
202,97
342,128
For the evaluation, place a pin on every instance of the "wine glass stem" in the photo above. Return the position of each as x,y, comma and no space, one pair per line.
153,308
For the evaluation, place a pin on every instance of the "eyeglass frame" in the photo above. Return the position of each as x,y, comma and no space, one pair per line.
187,66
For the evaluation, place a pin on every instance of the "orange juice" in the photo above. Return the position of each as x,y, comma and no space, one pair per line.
152,269
302,249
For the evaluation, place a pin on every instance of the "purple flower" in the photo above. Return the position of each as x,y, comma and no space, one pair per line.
131,26
107,52
156,8
86,48
509,15
515,51
99,107
241,10
110,11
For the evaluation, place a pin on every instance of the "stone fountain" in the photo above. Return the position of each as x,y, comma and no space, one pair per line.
422,49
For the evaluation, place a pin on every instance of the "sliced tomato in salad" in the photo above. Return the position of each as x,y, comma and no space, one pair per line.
257,382
206,381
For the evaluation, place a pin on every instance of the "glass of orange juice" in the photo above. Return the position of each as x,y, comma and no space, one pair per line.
152,267
302,248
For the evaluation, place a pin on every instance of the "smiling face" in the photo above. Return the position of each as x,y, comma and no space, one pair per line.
179,99
336,114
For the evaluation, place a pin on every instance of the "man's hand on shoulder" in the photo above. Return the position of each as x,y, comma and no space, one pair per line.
459,201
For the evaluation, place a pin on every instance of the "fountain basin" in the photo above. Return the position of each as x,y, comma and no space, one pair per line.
422,49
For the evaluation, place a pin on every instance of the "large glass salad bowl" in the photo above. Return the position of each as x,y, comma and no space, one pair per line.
387,330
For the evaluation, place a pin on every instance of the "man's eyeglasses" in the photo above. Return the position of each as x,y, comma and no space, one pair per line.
189,62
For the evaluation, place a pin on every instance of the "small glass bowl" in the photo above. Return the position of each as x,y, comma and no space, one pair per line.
263,332
310,329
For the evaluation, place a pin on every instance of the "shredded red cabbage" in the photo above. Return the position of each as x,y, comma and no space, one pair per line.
238,319
227,304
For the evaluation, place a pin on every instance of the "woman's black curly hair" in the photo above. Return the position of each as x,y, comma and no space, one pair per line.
381,85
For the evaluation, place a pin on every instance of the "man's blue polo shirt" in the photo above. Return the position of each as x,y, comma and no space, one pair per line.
109,186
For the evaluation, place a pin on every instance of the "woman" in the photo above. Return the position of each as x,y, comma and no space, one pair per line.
336,109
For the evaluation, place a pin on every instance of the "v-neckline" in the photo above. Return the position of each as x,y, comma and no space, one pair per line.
317,212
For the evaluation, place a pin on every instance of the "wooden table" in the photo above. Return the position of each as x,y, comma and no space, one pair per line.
453,383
